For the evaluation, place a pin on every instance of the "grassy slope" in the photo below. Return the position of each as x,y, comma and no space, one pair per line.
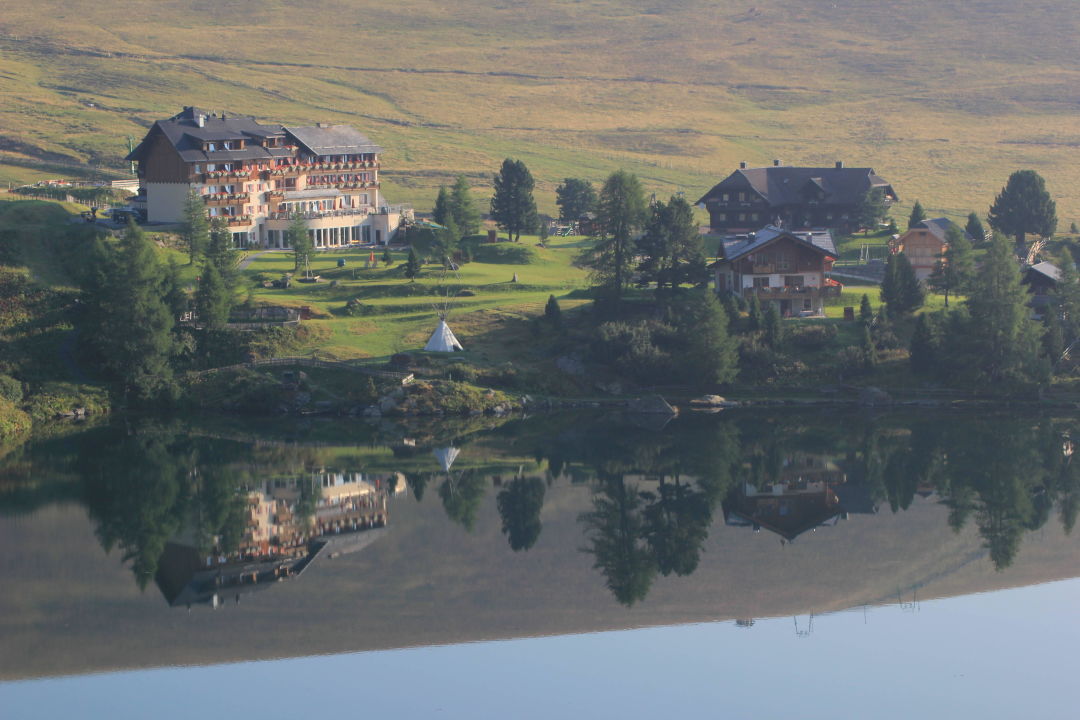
943,100
405,322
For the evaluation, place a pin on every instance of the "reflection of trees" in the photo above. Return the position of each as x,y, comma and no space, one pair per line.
614,529
519,507
676,525
461,497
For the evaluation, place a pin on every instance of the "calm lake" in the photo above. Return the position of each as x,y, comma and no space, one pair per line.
741,564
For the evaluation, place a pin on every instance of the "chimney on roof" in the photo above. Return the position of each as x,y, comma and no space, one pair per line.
839,164
200,119
742,166
776,163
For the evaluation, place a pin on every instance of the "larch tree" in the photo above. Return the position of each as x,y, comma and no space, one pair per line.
1024,206
512,205
213,298
620,211
1000,340
196,228
299,240
463,209
957,268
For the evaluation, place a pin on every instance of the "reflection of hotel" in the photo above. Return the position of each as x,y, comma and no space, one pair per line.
804,495
289,522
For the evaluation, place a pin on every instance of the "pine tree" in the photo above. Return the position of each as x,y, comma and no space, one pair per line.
870,210
220,251
196,228
1053,339
1001,340
888,292
975,229
1024,206
620,214
213,299
173,289
869,349
449,239
463,209
441,212
512,205
925,344
774,328
412,265
575,197
755,317
387,258
130,322
911,294
866,313
917,215
1067,297
552,312
671,248
709,353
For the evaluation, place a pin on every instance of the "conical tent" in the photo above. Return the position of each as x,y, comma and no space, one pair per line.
443,340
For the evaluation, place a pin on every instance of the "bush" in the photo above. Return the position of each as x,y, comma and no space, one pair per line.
355,308
13,421
58,398
851,360
811,337
11,389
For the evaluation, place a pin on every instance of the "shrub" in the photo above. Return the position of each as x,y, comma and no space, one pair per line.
10,389
505,254
811,337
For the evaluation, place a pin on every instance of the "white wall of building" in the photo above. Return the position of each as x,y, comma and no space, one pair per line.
165,201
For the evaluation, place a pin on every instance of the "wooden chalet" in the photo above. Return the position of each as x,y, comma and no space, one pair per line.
790,197
925,245
786,268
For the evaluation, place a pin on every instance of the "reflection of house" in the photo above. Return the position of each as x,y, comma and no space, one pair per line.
255,177
924,245
802,496
794,197
781,267
288,523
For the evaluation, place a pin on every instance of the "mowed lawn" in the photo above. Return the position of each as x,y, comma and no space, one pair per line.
400,314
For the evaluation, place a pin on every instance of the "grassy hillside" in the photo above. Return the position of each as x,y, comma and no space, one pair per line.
943,100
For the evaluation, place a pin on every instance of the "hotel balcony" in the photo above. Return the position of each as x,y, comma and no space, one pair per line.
225,200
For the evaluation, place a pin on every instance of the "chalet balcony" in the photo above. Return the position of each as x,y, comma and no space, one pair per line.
238,220
219,175
791,292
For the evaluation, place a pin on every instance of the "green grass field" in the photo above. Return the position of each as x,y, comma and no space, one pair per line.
403,313
943,99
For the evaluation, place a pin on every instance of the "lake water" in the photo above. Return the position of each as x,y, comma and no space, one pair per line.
809,564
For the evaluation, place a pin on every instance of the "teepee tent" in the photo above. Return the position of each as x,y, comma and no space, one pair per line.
443,340
446,457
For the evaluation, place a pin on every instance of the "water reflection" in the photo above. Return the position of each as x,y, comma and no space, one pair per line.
209,518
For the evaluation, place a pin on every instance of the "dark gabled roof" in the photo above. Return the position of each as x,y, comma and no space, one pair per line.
735,248
333,140
1047,270
781,185
940,227
190,128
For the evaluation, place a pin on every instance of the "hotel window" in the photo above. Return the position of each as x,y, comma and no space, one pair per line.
198,167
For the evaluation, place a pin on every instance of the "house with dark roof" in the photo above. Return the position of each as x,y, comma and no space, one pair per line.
925,245
257,176
791,197
777,266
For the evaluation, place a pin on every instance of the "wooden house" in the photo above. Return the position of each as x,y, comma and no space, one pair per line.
925,244
781,267
791,197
